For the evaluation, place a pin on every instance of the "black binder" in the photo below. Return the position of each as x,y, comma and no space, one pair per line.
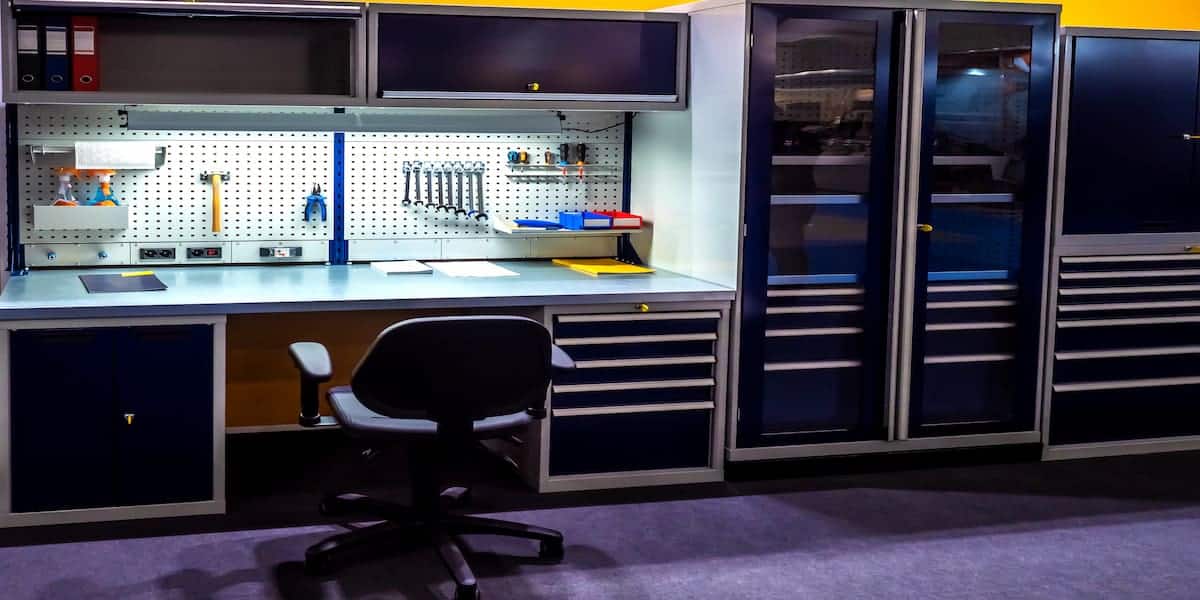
31,47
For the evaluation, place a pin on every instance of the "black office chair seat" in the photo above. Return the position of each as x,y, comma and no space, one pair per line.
411,387
364,423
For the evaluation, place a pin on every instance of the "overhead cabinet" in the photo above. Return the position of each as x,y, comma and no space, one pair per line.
202,52
896,205
530,58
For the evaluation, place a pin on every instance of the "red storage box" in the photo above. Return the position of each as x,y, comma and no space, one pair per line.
622,220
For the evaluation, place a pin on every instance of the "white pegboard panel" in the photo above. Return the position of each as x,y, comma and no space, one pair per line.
271,175
375,180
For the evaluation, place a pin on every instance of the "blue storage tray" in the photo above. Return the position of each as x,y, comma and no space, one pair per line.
575,220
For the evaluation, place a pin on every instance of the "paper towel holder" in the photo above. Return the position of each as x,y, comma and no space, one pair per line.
49,155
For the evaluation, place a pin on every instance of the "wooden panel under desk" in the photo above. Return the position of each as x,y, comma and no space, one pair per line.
262,385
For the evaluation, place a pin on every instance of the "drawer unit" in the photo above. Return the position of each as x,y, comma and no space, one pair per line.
645,404
1126,352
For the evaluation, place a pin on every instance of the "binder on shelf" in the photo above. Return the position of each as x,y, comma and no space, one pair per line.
30,43
85,62
58,62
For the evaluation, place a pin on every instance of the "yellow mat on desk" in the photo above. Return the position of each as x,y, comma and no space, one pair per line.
601,266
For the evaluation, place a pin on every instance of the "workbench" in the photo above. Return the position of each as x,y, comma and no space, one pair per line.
119,403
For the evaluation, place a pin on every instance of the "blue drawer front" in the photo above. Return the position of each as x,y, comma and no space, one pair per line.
629,442
647,373
970,341
1126,336
631,397
1128,414
958,393
640,350
813,347
814,320
1126,368
617,328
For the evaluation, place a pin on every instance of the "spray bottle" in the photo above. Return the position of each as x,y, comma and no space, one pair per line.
65,196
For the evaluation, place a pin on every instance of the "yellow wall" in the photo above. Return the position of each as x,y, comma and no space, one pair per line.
1140,14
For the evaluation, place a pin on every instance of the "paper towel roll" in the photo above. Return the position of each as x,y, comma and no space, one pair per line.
115,155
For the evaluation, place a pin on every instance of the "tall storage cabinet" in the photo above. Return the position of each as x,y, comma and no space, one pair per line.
897,175
1124,372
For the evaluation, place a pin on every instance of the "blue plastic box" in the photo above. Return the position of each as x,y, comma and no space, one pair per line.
584,220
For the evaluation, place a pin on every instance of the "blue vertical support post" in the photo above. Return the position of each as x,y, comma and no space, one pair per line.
339,247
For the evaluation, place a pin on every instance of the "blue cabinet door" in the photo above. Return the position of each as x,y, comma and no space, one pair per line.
819,215
164,388
64,418
985,143
1129,168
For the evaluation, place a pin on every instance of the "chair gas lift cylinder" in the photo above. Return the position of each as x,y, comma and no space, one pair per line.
895,210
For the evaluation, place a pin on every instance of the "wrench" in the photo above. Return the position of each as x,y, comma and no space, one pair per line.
480,167
441,205
407,168
429,186
458,172
417,168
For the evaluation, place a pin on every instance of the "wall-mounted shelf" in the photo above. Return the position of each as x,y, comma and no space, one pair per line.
561,173
63,156
57,218
510,228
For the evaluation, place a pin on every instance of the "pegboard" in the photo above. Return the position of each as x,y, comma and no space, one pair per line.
375,180
271,175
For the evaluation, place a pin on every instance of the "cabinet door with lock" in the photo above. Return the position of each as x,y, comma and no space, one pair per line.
111,417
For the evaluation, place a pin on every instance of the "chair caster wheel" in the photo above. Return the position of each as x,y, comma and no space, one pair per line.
551,550
467,592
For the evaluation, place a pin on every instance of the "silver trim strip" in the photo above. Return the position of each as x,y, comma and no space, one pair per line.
811,365
645,362
1124,274
816,331
1126,384
637,339
1127,353
1127,321
816,292
624,386
784,160
631,409
832,308
1128,305
970,326
971,198
971,304
620,317
814,199
967,358
534,96
1141,289
998,287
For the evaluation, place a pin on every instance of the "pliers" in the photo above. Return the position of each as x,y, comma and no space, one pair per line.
315,199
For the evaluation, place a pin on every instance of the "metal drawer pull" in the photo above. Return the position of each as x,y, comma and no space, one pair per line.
1085,323
1085,260
1129,305
997,287
631,409
818,331
1125,274
1127,384
1127,353
969,326
1140,289
624,386
645,362
621,317
817,292
972,304
637,339
967,358
812,366
832,308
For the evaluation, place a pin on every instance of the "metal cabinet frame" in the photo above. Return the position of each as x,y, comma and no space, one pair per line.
903,246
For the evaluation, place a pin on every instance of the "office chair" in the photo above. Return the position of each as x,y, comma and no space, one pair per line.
439,386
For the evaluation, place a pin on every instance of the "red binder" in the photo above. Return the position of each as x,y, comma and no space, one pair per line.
85,61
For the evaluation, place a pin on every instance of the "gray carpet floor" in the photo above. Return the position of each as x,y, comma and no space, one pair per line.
1114,528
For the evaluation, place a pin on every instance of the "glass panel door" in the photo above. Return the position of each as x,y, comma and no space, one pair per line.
819,216
982,218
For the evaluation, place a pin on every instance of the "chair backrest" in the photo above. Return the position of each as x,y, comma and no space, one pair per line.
455,369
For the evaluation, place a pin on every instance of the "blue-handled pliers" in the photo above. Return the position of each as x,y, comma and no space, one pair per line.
315,200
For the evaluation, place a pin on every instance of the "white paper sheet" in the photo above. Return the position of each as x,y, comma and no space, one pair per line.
472,268
394,267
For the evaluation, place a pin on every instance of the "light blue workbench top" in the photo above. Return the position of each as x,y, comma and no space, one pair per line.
294,288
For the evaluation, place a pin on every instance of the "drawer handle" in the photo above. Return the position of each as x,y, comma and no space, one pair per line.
924,228
643,307
129,418
1193,249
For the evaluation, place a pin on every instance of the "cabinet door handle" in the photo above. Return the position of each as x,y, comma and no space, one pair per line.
1191,137
129,418
924,228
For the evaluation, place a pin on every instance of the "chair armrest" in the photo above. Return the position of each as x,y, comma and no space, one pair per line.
313,361
560,360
